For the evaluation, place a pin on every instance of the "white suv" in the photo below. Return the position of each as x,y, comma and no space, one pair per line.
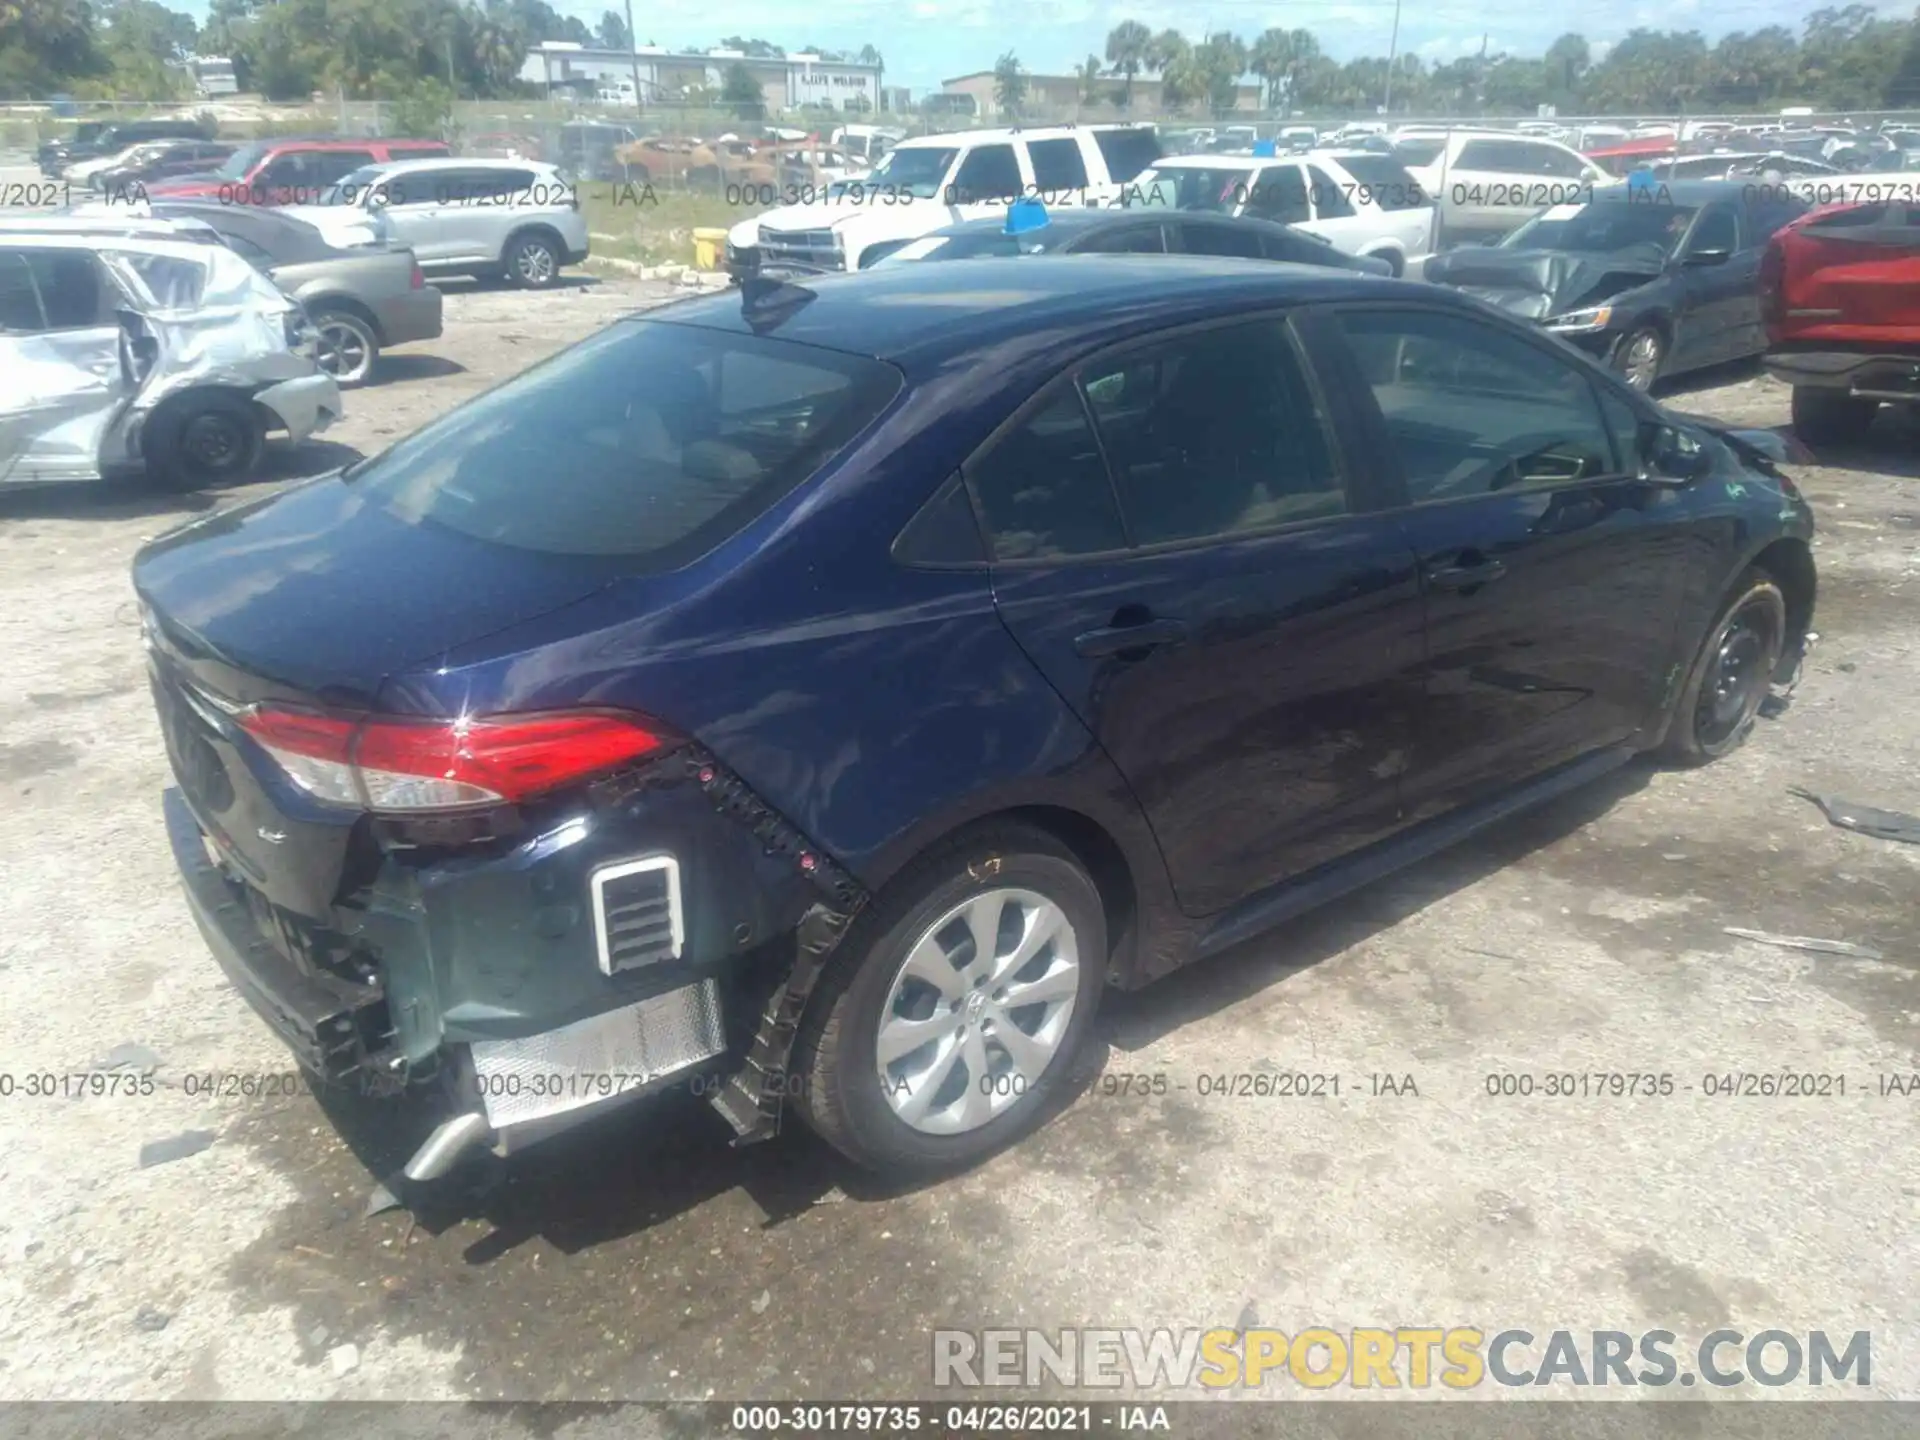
1364,203
1485,183
924,184
514,218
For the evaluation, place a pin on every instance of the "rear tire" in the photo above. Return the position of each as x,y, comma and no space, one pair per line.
1731,675
203,438
532,262
927,1111
1826,416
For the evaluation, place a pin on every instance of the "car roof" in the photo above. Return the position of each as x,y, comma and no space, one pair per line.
1679,192
1017,132
336,143
924,318
98,239
466,162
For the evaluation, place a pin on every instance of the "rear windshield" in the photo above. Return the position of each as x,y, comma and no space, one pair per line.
651,441
1418,152
1385,181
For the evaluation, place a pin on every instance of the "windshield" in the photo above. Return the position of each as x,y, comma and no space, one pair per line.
1604,225
1191,187
239,164
917,170
651,442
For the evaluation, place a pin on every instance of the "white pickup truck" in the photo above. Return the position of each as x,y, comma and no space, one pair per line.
924,184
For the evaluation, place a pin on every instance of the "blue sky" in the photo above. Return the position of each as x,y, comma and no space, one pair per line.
926,41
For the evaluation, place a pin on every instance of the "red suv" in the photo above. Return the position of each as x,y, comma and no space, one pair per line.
1841,290
291,172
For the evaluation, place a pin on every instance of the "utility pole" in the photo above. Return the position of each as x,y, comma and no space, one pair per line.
633,54
1393,54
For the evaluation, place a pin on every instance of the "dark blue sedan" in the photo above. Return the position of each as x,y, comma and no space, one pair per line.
816,696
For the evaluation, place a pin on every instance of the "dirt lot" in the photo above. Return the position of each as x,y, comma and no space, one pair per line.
650,1260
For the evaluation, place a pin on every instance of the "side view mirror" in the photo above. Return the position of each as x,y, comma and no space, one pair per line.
1708,257
1673,456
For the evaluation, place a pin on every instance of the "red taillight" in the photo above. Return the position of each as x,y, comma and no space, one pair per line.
392,764
419,280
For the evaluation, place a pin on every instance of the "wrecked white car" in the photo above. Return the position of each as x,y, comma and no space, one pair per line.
133,353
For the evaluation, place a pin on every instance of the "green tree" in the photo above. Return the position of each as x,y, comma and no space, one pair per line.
1568,59
1127,46
741,93
1009,84
1220,59
612,32
1089,73
424,112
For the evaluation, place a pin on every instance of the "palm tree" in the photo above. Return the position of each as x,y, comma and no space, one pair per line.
1127,46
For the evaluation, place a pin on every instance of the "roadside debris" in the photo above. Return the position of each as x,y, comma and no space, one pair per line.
137,1058
1806,942
345,1359
1851,815
151,1320
175,1147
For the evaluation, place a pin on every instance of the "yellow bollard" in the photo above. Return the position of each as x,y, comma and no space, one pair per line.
708,245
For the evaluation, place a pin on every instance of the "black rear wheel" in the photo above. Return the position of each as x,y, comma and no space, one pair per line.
209,438
1826,416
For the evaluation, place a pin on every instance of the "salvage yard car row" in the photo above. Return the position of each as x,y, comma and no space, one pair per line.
1654,278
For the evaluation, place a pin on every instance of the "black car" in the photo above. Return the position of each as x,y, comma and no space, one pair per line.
1654,278
185,157
93,140
820,695
1122,232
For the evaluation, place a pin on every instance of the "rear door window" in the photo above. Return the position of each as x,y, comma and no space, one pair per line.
1132,240
1214,434
20,310
1198,237
1043,489
650,442
1331,200
1279,193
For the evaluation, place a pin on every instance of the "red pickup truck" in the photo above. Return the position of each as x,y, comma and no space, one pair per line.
1840,288
291,171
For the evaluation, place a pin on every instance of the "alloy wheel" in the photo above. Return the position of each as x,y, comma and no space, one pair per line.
342,350
1640,360
533,263
977,1011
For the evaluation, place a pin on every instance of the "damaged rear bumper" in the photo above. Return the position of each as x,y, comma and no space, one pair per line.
303,406
486,983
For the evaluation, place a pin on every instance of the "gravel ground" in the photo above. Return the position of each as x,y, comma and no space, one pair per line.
648,1260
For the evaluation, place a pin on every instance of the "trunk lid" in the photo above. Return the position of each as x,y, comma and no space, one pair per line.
312,598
